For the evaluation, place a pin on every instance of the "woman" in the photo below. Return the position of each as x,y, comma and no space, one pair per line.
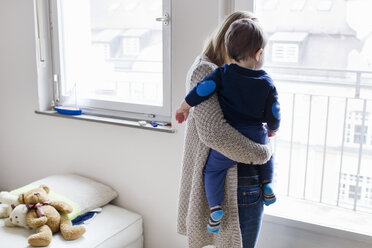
207,128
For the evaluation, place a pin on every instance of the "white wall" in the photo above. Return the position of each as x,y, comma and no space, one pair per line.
143,166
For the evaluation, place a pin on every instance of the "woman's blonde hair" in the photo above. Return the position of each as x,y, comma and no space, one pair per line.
215,46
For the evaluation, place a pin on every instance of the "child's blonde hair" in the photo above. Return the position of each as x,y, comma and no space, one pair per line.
215,46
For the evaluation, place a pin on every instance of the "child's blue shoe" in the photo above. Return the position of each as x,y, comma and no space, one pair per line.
217,215
268,194
213,229
215,219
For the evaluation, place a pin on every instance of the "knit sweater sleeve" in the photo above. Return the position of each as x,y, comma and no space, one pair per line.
216,133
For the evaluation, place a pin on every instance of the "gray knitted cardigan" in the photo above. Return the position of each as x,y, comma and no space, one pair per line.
206,127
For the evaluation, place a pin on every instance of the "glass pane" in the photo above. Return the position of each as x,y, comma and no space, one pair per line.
319,53
112,50
332,37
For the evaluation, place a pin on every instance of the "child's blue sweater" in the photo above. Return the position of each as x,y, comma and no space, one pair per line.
247,97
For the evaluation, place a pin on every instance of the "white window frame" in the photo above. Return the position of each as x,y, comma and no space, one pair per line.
111,108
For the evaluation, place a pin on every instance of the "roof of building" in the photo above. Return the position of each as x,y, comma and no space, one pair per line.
106,35
289,36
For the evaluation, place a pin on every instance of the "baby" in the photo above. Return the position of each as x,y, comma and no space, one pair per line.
248,99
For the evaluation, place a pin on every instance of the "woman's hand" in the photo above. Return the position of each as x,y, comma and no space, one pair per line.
183,112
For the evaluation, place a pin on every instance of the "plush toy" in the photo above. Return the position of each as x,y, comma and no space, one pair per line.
7,202
18,217
5,210
43,215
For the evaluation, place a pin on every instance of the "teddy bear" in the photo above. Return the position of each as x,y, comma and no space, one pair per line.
7,202
18,217
48,217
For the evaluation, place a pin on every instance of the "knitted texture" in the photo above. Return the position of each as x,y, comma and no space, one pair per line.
206,128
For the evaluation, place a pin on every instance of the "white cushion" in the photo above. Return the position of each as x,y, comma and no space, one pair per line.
113,227
87,193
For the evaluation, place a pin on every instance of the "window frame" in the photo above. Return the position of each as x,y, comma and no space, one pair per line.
111,108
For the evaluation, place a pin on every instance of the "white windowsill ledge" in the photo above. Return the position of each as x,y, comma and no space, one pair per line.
108,120
320,218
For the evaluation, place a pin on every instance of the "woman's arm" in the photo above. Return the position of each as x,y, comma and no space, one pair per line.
216,133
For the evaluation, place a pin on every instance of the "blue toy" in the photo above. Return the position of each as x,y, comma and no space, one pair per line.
68,110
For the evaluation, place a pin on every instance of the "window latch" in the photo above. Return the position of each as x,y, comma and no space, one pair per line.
164,19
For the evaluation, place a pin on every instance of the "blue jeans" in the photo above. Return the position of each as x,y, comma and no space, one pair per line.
250,204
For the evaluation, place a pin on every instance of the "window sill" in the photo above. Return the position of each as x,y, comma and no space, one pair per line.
108,120
320,218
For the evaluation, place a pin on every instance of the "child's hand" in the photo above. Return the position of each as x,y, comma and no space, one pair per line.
270,133
181,115
183,112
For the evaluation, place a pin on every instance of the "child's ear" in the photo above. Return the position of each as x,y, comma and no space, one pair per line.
258,54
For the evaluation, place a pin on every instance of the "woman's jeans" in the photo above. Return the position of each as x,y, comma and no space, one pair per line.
250,204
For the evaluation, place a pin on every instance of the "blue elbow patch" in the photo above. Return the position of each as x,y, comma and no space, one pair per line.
206,88
275,109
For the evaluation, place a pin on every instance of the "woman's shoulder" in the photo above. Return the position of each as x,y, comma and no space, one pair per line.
201,67
203,62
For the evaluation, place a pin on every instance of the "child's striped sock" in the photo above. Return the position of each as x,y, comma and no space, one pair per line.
268,194
215,219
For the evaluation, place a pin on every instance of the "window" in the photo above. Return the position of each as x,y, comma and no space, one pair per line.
131,46
285,52
285,46
355,128
354,190
113,57
355,135
359,135
318,54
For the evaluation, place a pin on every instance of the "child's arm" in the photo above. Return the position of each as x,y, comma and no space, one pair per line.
205,88
201,92
183,112
272,111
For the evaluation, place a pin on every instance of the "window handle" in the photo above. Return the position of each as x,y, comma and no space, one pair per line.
164,19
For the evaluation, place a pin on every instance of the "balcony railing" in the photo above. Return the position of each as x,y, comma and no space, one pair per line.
340,78
323,152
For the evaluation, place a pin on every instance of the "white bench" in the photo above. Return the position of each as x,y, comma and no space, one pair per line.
114,227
